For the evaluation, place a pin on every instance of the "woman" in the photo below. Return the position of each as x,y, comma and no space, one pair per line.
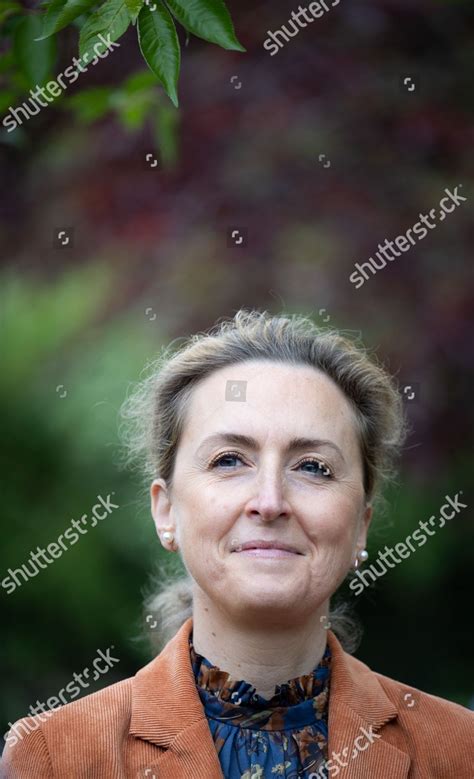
266,441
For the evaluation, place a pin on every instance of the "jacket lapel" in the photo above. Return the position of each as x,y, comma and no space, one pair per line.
358,710
167,712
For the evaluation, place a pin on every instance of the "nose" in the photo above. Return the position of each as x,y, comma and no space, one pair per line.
269,499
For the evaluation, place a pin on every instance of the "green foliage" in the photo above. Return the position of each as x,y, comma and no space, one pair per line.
34,46
159,45
132,108
133,102
7,9
30,61
91,104
61,452
60,13
36,321
208,19
111,19
165,122
35,62
133,8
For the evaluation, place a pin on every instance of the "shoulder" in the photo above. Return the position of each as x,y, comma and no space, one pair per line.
436,734
91,726
418,705
439,734
413,706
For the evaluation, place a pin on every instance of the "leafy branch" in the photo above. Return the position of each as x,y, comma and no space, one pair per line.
156,27
30,59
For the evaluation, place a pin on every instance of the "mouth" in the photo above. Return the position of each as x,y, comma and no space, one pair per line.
261,548
267,552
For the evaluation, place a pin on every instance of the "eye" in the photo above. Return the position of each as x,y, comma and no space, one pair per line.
224,460
225,456
324,470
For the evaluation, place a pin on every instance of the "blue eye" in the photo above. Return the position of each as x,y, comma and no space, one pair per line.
320,465
226,456
323,468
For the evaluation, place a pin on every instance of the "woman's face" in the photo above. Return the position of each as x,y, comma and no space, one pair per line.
228,490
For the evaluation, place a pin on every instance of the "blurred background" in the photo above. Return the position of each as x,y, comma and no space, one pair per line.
117,215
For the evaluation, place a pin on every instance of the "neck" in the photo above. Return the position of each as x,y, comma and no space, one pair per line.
262,653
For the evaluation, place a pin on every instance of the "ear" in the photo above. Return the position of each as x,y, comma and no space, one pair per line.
161,506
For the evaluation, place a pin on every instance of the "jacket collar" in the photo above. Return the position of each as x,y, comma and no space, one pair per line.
167,711
358,703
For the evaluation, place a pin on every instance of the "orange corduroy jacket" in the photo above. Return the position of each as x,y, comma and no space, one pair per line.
153,726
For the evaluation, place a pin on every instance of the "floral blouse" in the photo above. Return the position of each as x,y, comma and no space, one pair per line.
258,738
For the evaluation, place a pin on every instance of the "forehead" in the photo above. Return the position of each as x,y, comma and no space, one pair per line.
270,400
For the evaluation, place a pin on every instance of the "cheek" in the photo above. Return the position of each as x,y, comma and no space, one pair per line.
203,521
207,514
334,525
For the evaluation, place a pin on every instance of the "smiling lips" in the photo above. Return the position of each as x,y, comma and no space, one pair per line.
261,548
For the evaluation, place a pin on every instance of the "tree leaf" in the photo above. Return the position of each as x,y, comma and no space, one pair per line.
133,110
7,61
159,45
111,19
138,81
133,8
166,134
208,19
60,13
35,59
90,104
7,99
8,9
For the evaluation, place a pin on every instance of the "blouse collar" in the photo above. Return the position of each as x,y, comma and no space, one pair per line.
241,693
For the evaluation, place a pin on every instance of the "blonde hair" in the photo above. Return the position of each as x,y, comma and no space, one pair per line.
154,415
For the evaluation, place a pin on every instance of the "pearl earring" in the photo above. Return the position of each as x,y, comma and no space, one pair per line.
167,536
361,557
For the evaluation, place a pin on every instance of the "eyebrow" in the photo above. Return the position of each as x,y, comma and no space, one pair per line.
295,444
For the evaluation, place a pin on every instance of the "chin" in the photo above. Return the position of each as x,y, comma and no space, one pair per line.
266,597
